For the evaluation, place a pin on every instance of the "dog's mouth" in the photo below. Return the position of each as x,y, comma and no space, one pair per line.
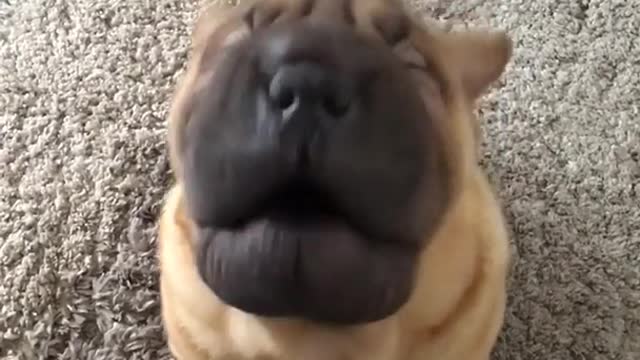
298,255
297,204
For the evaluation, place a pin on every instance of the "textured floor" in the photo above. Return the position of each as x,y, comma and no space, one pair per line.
84,86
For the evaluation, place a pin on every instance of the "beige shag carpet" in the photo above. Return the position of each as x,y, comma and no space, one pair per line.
84,89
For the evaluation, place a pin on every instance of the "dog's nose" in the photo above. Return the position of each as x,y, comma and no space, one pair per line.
307,79
308,89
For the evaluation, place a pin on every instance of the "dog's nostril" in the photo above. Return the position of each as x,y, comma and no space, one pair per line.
336,105
281,94
308,89
284,99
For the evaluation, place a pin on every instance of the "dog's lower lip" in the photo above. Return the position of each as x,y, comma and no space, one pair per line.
285,268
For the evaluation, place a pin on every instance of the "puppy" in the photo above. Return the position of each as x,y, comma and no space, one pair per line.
328,201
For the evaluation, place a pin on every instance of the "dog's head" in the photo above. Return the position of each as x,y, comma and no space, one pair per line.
319,144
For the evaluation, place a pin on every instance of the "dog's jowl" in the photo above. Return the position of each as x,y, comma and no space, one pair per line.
328,203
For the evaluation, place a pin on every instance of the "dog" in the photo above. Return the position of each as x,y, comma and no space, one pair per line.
328,199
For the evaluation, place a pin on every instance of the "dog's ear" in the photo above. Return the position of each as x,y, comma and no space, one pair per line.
465,63
473,58
479,56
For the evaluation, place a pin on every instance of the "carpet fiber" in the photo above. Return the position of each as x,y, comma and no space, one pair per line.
84,89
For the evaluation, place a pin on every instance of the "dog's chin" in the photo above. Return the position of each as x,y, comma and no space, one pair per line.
306,263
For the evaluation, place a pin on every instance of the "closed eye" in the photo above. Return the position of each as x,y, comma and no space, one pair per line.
418,67
236,35
408,54
413,60
260,15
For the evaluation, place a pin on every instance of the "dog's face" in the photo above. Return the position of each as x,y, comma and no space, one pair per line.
320,143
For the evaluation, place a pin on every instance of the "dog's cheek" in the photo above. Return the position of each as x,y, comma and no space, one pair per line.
227,145
376,165
253,271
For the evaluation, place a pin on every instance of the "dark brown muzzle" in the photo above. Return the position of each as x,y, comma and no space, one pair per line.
314,172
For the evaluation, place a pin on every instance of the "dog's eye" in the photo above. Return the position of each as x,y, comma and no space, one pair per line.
236,35
393,26
410,56
424,73
260,15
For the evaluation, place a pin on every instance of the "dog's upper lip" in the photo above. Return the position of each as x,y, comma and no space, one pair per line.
298,203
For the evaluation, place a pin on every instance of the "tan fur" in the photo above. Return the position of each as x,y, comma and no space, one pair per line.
456,310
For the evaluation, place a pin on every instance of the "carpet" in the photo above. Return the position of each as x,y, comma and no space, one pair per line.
84,90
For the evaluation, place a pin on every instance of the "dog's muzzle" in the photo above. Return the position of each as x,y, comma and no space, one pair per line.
314,173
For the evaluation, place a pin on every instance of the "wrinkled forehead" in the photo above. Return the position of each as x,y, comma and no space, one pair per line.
387,21
384,28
